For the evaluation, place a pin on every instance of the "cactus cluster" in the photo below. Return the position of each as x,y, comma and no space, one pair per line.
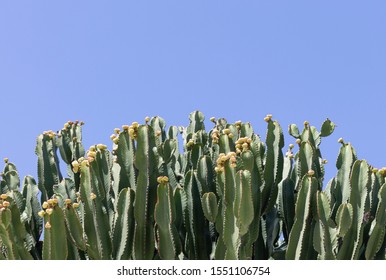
225,194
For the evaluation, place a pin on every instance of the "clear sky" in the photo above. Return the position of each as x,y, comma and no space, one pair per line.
110,63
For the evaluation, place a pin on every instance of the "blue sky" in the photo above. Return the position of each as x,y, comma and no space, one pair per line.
110,63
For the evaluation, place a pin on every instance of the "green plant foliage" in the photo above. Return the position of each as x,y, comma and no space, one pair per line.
226,193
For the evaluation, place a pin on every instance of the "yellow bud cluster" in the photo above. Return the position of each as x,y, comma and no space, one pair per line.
101,147
162,180
133,130
125,127
215,136
238,124
114,138
268,118
223,158
243,144
3,203
49,133
190,143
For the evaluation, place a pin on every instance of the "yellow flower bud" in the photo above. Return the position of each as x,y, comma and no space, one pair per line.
45,205
340,140
5,160
158,133
298,141
213,119
6,204
226,131
125,127
3,196
101,147
117,130
49,211
135,125
291,146
41,213
311,172
113,136
306,123
230,135
147,119
75,205
92,149
68,201
47,225
93,196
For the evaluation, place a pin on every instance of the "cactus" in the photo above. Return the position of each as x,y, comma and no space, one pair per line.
228,195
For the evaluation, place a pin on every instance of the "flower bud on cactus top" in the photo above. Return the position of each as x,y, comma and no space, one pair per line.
68,201
75,205
306,123
375,170
238,123
125,127
291,146
117,130
93,196
45,205
190,143
6,204
75,166
340,140
147,119
230,135
113,136
135,125
226,131
268,118
101,147
49,211
298,141
5,160
325,161
47,225
311,172
213,119
3,196
41,213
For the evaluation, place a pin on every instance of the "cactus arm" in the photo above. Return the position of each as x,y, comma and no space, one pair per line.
124,225
360,183
5,235
298,245
48,166
197,241
169,245
74,227
377,235
273,165
327,129
325,231
210,206
145,162
54,244
125,151
243,205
